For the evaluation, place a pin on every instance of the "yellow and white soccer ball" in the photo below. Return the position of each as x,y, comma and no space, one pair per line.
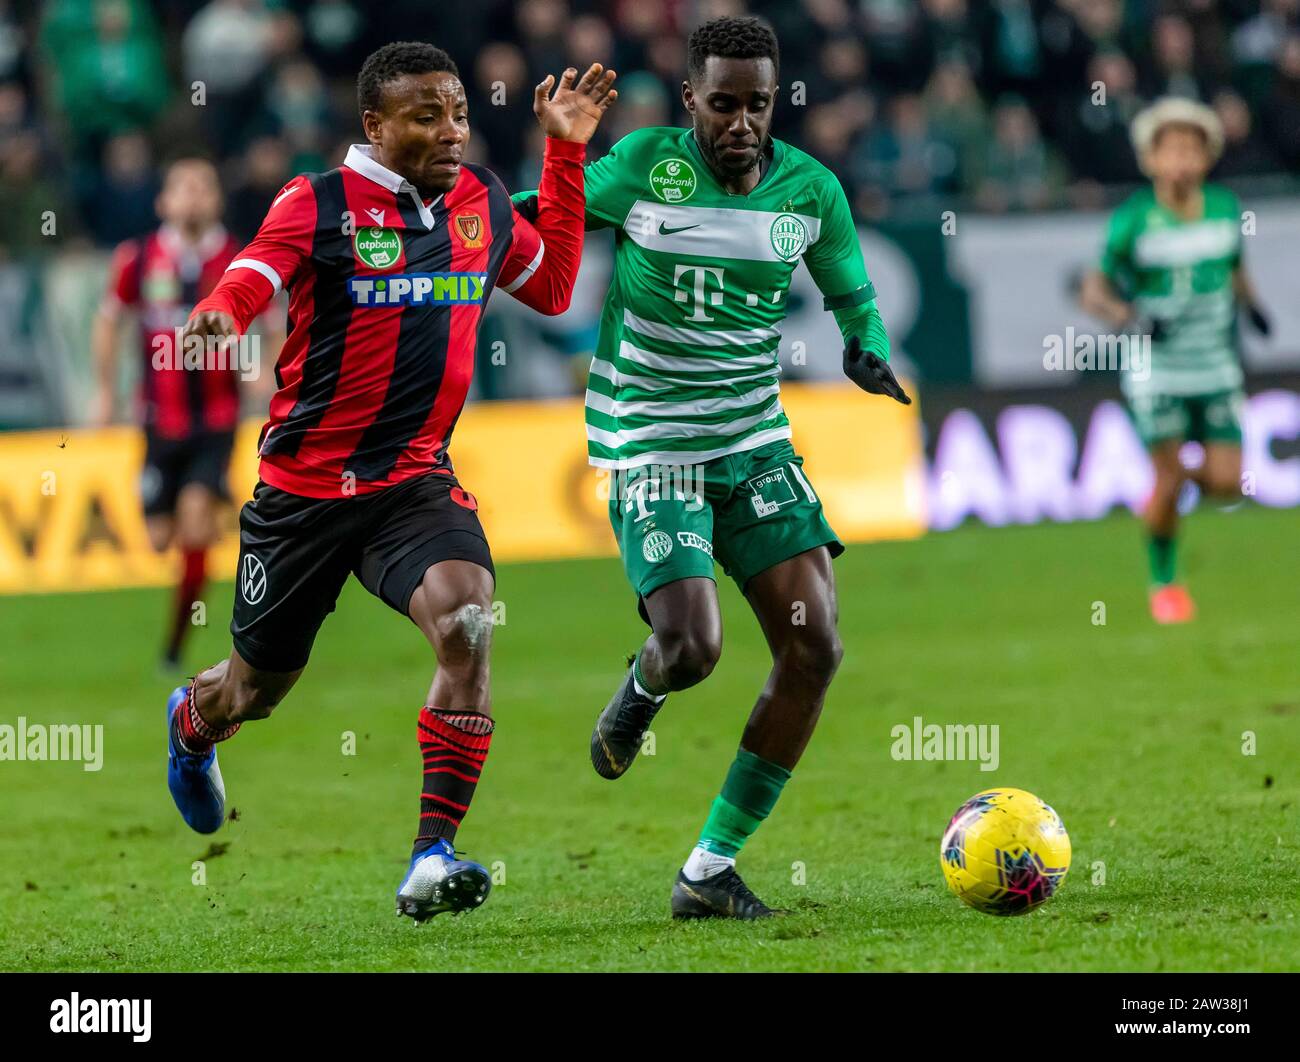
1005,852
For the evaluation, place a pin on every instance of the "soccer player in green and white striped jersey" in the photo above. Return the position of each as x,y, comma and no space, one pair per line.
683,406
1172,270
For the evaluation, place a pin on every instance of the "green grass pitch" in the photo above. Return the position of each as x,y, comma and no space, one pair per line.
1186,850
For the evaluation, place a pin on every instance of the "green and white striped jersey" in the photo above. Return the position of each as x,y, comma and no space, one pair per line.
686,363
1181,273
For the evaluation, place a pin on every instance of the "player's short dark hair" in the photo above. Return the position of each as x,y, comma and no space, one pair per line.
396,60
732,37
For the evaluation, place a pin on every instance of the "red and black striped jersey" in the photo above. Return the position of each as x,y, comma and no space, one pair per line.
386,294
161,277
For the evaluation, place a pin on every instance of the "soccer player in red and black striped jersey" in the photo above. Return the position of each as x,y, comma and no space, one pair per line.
189,415
388,261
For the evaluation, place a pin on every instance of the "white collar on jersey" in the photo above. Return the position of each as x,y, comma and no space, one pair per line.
361,158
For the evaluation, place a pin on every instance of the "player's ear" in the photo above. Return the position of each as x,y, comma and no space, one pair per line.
372,125
688,97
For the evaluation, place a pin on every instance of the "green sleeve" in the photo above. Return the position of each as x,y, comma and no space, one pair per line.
865,322
606,187
835,260
1117,255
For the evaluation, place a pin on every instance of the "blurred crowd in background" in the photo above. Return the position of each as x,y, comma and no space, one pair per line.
990,104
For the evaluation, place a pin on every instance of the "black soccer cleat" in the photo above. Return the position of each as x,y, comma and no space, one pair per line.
723,895
620,729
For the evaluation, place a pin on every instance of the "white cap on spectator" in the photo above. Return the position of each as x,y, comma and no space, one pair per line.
1175,110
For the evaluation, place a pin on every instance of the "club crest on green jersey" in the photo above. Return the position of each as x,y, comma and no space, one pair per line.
377,248
673,180
789,236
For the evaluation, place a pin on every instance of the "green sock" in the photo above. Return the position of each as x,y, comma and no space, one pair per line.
748,796
1162,552
640,677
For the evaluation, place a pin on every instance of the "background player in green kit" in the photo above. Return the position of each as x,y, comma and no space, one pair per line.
682,402
1172,270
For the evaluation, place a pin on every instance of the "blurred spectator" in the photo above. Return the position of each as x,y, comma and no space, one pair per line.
255,179
957,112
226,48
1174,72
1245,154
1095,124
1283,108
906,155
1018,171
123,202
105,63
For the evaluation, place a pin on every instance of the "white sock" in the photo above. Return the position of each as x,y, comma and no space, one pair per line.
651,697
702,863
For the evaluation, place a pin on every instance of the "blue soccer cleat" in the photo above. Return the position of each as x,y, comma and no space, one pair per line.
194,781
437,881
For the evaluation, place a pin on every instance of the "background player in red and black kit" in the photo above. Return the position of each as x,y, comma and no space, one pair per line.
189,415
388,260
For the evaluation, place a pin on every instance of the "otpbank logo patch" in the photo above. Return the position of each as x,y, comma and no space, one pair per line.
418,289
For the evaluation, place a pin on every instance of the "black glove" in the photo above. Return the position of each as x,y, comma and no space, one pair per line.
871,372
1154,327
1259,320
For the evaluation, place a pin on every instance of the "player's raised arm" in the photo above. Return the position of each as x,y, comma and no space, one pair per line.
542,267
836,265
262,269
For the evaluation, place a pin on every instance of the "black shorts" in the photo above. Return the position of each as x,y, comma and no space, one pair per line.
295,554
170,464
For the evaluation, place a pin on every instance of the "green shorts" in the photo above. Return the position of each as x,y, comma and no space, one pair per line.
1214,417
749,510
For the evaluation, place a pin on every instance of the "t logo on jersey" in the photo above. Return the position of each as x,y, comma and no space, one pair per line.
377,248
697,284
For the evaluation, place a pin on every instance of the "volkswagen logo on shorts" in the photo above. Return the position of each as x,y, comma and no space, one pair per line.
656,547
252,579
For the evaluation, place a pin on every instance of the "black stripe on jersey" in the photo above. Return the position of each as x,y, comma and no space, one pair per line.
332,311
501,216
421,356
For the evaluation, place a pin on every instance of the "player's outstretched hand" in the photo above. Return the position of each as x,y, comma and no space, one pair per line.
872,372
575,110
211,324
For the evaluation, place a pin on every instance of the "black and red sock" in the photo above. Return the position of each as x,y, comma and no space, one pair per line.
194,573
192,732
454,745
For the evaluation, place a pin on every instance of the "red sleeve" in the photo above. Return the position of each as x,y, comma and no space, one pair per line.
270,263
124,276
542,266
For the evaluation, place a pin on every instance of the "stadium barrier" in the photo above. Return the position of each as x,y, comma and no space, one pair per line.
70,516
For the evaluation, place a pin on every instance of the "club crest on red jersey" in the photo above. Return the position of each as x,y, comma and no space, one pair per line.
470,228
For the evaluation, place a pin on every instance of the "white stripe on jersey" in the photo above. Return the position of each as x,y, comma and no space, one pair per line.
258,267
734,338
690,457
712,232
692,408
692,362
528,270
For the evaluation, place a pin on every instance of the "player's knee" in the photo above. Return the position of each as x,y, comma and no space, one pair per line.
812,656
689,655
1223,483
464,634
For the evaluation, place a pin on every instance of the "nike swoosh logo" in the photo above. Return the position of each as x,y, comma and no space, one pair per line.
285,195
664,230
